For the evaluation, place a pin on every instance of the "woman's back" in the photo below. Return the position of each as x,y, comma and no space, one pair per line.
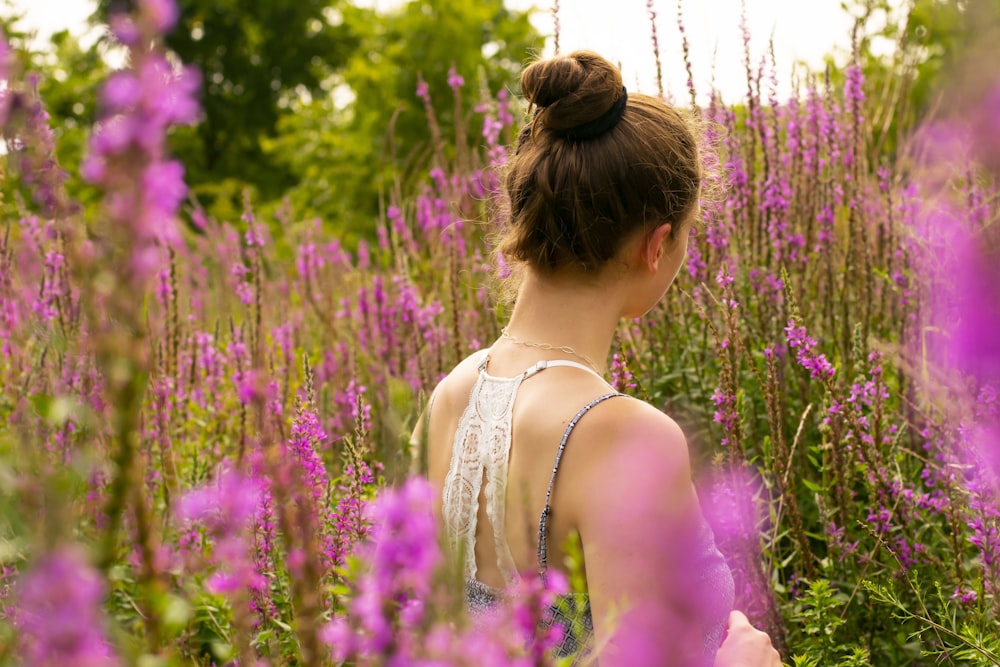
595,450
544,405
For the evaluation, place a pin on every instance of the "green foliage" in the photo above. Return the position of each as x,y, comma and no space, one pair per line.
916,55
817,616
255,58
957,638
310,102
315,101
368,135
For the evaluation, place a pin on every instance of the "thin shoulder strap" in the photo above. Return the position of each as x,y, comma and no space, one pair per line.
571,364
484,358
543,522
541,365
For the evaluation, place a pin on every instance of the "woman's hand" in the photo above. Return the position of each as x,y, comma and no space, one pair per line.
745,646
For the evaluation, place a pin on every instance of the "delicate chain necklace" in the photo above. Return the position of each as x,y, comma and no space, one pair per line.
548,346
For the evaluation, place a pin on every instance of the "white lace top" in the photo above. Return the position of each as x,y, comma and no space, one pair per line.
480,454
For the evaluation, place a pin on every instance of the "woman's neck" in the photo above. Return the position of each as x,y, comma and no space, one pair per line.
565,312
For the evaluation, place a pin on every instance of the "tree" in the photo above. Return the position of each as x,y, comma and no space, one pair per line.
370,128
316,98
255,57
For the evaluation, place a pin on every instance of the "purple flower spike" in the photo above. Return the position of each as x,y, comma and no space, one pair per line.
227,503
59,617
6,63
816,363
163,191
128,152
455,79
121,91
423,90
975,345
124,29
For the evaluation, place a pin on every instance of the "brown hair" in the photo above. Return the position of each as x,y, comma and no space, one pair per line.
574,201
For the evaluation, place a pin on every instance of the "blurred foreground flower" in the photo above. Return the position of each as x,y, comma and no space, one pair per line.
128,155
960,248
392,616
226,507
59,613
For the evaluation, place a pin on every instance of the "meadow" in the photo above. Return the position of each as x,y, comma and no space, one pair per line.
205,423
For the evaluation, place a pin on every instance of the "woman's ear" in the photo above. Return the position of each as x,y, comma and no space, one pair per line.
655,246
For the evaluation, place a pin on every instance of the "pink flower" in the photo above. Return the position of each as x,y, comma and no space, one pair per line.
124,29
59,614
121,91
455,80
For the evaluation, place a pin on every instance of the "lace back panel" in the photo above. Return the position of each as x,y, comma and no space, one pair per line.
481,450
481,453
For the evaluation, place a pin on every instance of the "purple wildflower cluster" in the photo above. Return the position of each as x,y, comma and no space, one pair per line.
128,155
805,353
60,615
621,377
389,621
226,507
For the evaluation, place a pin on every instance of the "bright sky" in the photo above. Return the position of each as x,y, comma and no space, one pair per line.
803,30
620,30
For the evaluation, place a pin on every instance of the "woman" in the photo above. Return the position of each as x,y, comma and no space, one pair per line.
604,190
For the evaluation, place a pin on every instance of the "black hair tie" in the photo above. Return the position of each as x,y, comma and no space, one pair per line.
599,125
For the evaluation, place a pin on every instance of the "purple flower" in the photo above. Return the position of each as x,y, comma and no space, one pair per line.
31,142
622,378
163,191
814,362
127,154
121,91
307,437
225,507
403,543
59,616
455,80
168,95
124,29
402,553
226,504
6,64
423,90
975,345
965,595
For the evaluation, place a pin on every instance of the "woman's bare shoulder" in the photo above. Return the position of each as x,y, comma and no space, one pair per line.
446,402
459,380
629,427
629,452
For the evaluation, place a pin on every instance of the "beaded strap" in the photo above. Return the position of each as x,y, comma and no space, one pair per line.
543,522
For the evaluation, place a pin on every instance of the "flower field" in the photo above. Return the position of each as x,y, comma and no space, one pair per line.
205,424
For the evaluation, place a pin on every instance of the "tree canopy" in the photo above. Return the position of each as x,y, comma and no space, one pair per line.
317,99
372,127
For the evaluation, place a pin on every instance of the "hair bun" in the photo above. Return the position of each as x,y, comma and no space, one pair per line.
571,91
